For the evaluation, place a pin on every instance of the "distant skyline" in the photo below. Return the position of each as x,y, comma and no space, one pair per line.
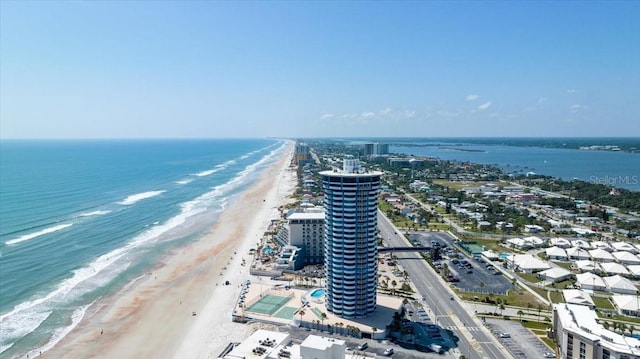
212,69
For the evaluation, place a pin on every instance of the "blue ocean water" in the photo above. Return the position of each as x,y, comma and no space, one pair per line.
617,169
81,219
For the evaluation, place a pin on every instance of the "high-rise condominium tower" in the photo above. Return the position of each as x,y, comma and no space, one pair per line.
350,239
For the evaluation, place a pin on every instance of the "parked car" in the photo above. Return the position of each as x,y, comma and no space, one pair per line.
549,355
505,335
363,346
388,352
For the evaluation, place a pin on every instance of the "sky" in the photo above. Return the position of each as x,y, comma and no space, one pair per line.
214,69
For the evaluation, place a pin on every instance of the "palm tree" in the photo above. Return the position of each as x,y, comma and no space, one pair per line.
501,308
539,307
301,313
631,329
520,313
323,317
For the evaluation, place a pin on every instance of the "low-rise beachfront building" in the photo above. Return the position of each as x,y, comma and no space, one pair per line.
579,334
626,257
627,304
306,229
315,346
578,296
267,344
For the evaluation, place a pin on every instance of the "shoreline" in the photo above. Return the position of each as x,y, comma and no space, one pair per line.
153,317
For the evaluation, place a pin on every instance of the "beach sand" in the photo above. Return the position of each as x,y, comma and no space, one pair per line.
154,318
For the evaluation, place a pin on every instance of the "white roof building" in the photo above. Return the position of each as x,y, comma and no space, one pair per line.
613,268
560,242
577,253
555,274
527,263
579,327
519,243
581,243
586,266
556,253
600,255
490,255
634,269
602,244
626,257
624,246
577,296
627,304
590,281
535,241
618,284
322,348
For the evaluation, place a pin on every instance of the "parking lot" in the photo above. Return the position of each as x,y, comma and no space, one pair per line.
518,339
467,272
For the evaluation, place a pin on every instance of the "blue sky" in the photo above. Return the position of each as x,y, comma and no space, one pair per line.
82,69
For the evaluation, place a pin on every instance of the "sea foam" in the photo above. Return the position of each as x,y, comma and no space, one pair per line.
95,213
140,196
29,236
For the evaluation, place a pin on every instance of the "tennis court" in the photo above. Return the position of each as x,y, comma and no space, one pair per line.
286,313
268,304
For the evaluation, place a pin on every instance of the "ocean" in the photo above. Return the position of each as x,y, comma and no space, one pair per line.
617,169
80,220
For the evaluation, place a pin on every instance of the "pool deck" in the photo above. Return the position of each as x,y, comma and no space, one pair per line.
386,307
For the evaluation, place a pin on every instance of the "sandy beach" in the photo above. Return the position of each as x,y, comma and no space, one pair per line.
155,316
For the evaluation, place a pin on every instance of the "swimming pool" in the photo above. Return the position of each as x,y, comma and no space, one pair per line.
318,293
267,250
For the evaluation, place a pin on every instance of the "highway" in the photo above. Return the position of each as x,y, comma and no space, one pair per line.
476,341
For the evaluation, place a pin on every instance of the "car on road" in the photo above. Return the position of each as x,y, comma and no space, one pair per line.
549,355
363,346
388,352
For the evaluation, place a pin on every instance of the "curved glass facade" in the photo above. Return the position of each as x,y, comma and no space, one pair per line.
350,246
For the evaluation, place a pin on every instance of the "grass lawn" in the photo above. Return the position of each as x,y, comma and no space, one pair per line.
550,343
518,299
533,278
438,225
565,265
602,303
536,325
556,297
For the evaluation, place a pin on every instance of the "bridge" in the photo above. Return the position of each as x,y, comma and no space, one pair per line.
403,249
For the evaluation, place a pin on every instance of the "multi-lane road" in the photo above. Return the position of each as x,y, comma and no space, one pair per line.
476,341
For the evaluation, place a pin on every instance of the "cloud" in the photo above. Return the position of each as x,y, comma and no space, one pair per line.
327,116
542,99
367,114
472,97
385,111
572,91
577,108
484,106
